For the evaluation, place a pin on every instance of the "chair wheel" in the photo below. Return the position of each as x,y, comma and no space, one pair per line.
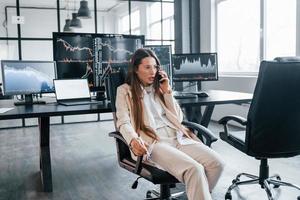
148,194
228,196
277,186
298,198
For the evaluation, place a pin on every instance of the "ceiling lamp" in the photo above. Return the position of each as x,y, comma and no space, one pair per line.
75,22
84,11
67,26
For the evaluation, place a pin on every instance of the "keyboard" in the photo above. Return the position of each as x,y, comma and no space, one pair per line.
183,95
76,103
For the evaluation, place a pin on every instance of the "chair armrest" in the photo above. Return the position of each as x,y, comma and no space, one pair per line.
117,135
238,119
138,165
205,132
229,138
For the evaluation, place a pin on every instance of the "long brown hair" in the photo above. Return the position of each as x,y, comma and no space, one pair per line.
137,91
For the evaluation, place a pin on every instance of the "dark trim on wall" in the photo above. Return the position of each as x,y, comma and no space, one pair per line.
129,13
178,26
19,30
194,21
58,15
161,23
95,17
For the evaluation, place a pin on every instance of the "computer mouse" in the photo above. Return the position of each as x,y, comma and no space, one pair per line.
202,94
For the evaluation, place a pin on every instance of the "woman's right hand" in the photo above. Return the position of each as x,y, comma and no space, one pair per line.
138,147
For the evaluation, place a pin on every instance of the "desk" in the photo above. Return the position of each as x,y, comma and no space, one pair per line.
192,106
43,113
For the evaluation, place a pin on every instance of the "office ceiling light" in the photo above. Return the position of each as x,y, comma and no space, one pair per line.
84,11
75,22
67,26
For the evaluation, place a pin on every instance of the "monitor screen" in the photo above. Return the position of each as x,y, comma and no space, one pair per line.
27,77
113,52
83,55
195,67
73,53
163,53
64,89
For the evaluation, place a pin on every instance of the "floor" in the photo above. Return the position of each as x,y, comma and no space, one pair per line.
84,166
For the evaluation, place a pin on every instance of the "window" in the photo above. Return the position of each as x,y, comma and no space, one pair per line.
280,28
135,22
124,24
243,40
155,20
238,35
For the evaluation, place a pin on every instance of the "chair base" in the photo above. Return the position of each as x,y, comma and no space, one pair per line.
164,195
265,184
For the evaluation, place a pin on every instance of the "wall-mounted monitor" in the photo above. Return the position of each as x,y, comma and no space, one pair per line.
27,77
163,53
195,67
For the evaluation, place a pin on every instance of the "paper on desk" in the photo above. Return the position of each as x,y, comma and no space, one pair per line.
184,140
3,110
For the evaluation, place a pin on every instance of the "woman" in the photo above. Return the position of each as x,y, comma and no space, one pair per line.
149,119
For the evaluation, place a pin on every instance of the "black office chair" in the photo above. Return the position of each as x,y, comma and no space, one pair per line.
272,125
288,59
153,174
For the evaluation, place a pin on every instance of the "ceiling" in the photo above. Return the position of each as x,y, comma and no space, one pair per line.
102,5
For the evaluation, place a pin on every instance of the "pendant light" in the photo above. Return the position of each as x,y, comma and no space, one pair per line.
75,22
68,20
84,11
67,26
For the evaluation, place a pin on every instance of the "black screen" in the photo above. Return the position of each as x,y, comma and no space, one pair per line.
74,56
195,67
82,55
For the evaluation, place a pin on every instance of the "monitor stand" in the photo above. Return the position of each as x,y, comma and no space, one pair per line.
100,96
28,100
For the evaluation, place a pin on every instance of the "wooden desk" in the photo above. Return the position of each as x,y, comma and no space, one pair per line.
43,112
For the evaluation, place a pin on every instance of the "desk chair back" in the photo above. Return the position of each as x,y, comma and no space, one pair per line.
273,128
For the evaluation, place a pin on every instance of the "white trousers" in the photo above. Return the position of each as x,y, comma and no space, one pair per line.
195,165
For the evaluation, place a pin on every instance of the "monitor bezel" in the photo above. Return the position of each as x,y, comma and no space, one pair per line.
24,61
193,54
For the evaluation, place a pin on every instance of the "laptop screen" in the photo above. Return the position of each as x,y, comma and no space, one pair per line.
66,89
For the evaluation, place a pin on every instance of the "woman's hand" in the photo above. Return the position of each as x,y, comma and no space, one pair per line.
164,82
138,147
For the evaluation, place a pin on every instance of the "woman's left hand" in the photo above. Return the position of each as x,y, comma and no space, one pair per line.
164,82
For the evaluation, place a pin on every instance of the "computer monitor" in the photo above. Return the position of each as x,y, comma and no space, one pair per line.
163,53
113,52
85,55
73,53
27,78
195,67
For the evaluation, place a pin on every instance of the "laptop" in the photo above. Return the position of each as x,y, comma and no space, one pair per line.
71,92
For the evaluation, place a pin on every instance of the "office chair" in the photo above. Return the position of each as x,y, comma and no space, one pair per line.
272,124
148,172
288,59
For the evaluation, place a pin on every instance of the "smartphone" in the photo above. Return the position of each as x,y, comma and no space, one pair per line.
157,79
158,76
